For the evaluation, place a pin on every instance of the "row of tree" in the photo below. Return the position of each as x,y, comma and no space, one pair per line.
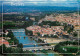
28,32
68,27
61,49
50,23
14,51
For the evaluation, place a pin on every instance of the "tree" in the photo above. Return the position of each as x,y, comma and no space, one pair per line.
20,45
28,32
10,34
75,34
51,35
56,48
0,49
68,28
15,40
38,33
55,36
4,48
54,23
27,23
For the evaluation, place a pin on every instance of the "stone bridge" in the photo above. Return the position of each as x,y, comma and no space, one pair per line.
38,48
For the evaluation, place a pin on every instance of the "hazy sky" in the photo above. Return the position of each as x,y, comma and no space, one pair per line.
68,3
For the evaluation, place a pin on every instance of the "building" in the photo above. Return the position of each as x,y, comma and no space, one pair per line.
6,32
32,18
3,41
76,27
53,30
1,32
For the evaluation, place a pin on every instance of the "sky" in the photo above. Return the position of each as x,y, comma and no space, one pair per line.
67,3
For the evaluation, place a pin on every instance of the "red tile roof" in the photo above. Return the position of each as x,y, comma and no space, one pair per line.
2,41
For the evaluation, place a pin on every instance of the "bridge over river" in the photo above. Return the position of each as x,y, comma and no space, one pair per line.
35,44
39,43
28,43
38,48
15,30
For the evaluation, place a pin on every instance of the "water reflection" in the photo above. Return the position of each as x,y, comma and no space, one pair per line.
22,39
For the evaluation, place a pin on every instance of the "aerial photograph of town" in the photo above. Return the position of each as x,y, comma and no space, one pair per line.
39,27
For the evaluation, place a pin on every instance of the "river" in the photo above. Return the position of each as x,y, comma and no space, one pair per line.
22,39
26,40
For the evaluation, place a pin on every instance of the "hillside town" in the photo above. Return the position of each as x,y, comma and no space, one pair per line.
47,30
73,19
58,31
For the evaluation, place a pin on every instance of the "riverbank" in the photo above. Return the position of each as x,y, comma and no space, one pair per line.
55,53
48,53
53,40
